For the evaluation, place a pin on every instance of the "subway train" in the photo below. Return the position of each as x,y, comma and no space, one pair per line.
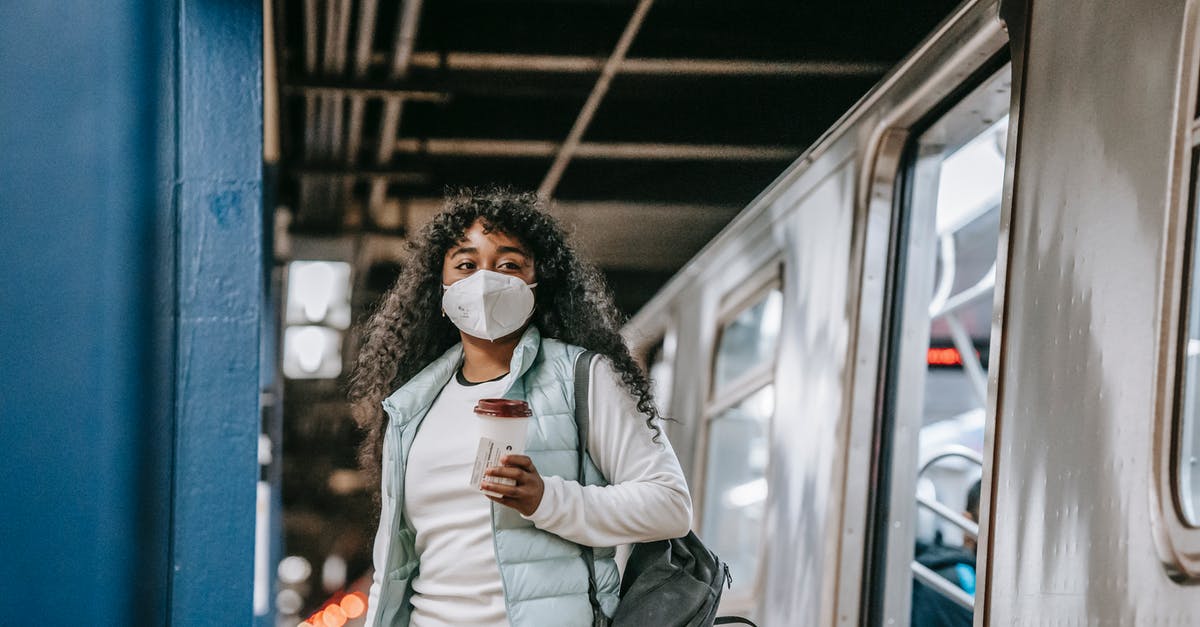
986,271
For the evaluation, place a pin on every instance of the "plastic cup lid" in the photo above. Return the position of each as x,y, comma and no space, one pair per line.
503,408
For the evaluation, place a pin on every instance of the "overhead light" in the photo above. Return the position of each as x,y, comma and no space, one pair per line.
294,569
319,293
312,352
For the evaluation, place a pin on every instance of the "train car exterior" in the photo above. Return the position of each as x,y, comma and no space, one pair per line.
985,271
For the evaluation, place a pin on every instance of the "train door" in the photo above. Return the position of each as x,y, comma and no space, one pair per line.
921,560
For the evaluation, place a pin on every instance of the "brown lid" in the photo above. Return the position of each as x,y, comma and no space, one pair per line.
502,408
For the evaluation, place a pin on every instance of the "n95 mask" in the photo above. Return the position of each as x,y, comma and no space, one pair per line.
488,305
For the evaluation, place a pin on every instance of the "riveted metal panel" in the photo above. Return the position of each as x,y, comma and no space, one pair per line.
1071,539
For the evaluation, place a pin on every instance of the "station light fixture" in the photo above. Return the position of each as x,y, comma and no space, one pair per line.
319,293
317,313
312,352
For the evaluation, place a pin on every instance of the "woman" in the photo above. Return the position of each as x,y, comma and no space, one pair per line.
494,303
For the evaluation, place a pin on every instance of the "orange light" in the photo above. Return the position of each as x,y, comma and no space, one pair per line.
318,619
354,605
335,616
943,357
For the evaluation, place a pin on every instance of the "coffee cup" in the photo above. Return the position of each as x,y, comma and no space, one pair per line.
503,424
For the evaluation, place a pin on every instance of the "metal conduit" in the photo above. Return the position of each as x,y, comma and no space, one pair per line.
563,64
593,150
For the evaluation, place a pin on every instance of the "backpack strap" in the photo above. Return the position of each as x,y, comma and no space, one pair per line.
583,376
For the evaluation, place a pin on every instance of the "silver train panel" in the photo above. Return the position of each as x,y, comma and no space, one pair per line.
806,461
1074,371
1071,541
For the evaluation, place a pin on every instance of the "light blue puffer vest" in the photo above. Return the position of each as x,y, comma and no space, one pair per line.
544,577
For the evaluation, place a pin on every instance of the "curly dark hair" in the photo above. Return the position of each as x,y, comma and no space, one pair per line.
407,331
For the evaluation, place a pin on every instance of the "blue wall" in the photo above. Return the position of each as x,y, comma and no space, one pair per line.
132,291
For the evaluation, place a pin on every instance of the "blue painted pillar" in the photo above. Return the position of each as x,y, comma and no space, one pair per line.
131,294
77,259
217,192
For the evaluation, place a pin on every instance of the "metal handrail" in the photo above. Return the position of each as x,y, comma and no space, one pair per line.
945,282
926,576
945,513
953,450
967,296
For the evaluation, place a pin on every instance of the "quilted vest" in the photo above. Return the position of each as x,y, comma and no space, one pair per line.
544,577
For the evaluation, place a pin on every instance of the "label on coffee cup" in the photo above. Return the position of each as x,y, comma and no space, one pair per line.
489,454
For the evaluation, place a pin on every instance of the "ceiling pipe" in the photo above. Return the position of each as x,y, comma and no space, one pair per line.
554,175
310,101
594,150
324,88
556,64
367,12
389,129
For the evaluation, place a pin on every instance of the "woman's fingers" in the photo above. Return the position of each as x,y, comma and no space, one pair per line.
501,488
519,461
507,472
526,495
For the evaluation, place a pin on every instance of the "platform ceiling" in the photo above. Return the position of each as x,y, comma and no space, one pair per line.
386,104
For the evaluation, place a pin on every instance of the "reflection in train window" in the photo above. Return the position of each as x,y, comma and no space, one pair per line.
748,341
939,385
736,485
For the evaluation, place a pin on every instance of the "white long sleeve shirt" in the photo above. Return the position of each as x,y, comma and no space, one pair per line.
459,580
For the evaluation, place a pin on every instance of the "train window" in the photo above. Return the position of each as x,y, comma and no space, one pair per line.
735,482
1177,445
937,385
748,341
1187,471
733,502
1187,435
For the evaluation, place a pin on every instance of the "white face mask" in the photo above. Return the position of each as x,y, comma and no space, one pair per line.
488,305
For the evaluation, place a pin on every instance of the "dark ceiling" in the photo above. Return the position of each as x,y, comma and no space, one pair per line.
383,107
386,104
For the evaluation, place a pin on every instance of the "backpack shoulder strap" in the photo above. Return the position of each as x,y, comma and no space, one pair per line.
583,379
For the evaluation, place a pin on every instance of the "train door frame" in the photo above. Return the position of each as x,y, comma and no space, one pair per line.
1176,539
886,576
735,298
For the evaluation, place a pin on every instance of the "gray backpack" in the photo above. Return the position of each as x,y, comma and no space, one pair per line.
668,583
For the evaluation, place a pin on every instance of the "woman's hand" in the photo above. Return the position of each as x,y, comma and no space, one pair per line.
526,495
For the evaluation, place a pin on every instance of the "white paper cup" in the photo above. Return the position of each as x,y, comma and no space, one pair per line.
503,424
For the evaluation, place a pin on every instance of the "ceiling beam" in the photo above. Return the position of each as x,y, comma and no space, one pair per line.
389,129
557,64
342,88
351,173
611,66
534,149
367,11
